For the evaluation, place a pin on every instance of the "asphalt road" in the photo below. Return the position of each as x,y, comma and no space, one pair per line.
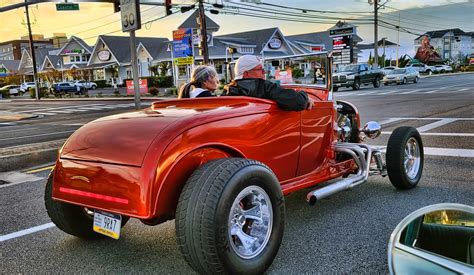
345,233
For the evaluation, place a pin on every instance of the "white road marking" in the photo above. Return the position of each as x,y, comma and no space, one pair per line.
27,231
449,152
465,89
61,111
432,91
410,92
73,124
438,134
389,92
45,114
435,124
57,108
39,135
390,120
434,118
14,178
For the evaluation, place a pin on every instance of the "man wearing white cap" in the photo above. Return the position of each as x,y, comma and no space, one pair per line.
250,80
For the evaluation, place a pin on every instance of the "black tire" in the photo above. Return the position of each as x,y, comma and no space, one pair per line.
385,83
396,158
429,72
416,79
376,82
93,87
404,81
356,85
204,212
70,218
334,89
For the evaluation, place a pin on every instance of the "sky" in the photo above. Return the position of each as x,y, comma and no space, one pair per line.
94,19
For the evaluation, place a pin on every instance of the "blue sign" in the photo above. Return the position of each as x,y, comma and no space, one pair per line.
183,47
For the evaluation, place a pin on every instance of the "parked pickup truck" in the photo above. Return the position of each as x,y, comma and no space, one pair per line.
356,74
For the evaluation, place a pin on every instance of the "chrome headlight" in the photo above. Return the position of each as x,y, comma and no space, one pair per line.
372,129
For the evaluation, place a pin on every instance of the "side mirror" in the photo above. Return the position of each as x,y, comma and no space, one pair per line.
437,239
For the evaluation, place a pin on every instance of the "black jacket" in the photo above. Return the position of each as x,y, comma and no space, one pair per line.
287,99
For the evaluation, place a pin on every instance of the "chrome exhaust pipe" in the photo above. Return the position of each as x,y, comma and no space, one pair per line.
362,160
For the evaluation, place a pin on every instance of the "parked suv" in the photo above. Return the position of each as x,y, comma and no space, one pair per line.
26,85
356,74
85,84
66,87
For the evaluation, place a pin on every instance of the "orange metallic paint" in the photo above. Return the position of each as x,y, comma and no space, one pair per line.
147,156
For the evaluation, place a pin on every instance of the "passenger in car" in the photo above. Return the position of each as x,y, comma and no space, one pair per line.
250,80
204,82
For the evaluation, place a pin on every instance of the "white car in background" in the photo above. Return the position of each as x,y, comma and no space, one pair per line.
421,68
443,68
387,70
26,85
85,84
13,89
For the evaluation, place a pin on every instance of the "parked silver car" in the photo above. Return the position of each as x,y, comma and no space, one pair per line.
443,68
402,76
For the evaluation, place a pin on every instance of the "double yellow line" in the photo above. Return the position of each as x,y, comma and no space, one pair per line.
40,169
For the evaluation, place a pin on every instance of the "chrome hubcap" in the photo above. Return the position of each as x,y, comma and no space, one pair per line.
250,222
412,158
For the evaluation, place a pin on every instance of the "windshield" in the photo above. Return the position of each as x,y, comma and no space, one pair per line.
398,71
350,68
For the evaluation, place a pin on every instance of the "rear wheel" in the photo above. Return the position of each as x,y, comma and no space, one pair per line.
72,219
405,157
230,217
356,85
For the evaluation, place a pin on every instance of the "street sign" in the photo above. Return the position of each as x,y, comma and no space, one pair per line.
341,31
130,12
183,47
67,7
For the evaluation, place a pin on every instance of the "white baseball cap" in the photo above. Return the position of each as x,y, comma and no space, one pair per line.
244,64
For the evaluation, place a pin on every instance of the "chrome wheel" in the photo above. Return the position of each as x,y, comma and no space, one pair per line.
412,158
250,222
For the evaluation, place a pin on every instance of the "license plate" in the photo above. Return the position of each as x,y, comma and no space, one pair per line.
107,224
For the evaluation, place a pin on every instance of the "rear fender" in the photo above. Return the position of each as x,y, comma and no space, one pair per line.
171,185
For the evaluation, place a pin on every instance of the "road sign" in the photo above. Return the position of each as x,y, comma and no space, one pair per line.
130,12
67,7
183,47
142,83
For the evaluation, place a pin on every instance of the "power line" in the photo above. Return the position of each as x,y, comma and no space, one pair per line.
319,11
426,15
299,15
414,22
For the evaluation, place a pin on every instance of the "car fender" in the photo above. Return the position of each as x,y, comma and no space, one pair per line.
167,187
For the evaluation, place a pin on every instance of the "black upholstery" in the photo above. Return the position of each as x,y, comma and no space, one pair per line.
447,240
470,251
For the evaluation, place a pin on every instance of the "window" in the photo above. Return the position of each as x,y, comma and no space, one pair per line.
84,58
71,58
78,58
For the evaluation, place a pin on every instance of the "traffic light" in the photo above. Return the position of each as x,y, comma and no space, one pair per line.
116,6
168,7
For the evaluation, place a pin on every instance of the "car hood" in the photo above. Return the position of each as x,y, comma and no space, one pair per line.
344,73
125,138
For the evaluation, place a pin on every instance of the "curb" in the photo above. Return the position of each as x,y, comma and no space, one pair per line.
445,74
21,157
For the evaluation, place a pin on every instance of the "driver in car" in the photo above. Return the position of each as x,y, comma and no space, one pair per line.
250,80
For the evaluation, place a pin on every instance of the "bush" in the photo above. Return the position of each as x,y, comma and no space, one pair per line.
153,91
164,81
5,93
297,72
43,92
101,83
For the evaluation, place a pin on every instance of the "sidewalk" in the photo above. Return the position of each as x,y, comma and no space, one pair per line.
24,156
445,74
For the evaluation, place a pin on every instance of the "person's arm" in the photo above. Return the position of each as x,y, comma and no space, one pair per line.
288,99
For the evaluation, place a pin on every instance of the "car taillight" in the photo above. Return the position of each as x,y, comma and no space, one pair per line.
92,195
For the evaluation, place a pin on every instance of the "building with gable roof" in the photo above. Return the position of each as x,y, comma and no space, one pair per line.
451,44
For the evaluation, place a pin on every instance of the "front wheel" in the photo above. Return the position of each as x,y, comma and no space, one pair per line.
356,85
416,79
404,81
72,219
230,217
405,157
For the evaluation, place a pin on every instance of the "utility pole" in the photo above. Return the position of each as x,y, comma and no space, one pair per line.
398,36
376,39
32,52
203,32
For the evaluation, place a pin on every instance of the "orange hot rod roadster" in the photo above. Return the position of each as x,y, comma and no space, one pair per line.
221,168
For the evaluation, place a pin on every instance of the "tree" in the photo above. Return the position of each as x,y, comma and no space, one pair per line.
154,69
164,67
